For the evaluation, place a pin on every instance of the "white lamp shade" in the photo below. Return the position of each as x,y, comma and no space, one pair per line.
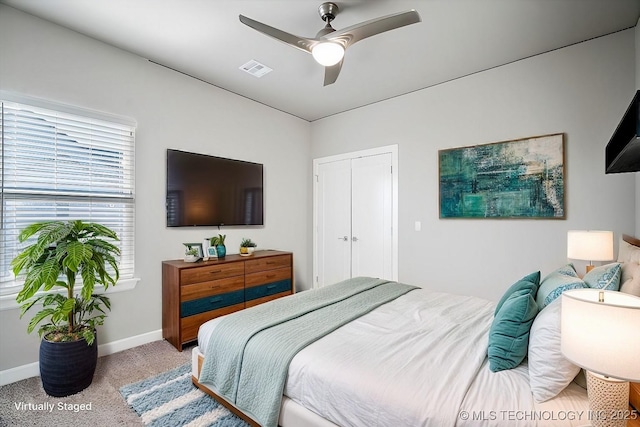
602,337
590,245
328,53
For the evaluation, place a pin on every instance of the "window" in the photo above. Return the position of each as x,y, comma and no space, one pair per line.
61,163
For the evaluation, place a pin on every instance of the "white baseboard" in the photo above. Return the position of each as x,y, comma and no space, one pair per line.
18,373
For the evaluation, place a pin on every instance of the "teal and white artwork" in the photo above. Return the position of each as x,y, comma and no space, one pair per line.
523,178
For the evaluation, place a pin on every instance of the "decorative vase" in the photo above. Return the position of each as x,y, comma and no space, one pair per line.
250,250
67,368
205,249
221,250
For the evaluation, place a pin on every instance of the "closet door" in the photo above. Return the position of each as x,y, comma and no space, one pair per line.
354,207
333,213
371,216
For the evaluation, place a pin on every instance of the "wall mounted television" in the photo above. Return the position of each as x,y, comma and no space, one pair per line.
205,190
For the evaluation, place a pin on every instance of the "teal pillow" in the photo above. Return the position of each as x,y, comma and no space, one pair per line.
530,282
556,282
605,277
509,333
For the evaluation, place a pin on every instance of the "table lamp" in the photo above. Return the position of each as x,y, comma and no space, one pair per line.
590,245
599,332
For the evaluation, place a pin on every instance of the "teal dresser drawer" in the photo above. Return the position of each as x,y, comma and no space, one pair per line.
213,302
267,289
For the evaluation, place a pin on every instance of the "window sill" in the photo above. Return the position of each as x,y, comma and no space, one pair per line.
8,302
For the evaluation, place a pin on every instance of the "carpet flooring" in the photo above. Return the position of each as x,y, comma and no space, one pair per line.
170,399
24,403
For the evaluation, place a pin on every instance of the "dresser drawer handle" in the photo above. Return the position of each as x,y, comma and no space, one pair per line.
217,299
214,272
270,276
271,286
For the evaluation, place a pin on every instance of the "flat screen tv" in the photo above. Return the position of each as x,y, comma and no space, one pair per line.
212,191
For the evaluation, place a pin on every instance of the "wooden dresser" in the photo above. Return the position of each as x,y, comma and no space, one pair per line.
193,293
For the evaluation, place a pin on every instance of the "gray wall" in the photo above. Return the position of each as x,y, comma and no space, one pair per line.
582,91
173,111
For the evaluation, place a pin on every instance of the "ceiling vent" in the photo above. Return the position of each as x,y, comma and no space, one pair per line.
255,68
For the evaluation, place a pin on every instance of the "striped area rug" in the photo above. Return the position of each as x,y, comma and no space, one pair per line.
170,399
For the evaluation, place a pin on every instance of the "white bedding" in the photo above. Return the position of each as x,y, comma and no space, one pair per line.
419,360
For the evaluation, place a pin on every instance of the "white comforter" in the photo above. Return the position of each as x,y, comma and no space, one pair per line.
419,360
411,362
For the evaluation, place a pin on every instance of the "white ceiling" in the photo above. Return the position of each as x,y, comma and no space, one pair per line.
205,39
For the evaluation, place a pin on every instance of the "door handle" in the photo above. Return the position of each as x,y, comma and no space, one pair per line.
354,238
345,238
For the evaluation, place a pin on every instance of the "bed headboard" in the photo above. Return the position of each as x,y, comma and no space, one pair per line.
629,257
631,240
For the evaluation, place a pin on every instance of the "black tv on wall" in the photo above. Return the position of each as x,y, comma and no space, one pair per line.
205,190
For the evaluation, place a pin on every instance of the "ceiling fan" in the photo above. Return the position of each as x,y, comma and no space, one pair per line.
329,45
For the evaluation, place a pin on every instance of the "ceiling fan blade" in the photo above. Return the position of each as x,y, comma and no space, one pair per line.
301,43
331,73
355,33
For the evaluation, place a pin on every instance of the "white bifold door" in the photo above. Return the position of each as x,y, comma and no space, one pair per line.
354,215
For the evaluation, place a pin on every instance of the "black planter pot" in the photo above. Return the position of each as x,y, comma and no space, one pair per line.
67,368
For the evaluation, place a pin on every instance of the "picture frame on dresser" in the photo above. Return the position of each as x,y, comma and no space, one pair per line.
197,247
211,252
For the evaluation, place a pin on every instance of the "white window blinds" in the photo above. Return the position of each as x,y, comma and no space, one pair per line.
56,165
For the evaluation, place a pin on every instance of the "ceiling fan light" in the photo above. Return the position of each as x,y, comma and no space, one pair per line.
328,53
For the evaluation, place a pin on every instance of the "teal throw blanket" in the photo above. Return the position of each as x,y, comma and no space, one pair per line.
249,352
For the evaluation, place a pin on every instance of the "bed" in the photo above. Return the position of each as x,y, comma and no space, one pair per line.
420,359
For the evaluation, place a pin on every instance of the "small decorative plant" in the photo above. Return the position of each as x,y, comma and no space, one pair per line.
218,242
62,251
247,243
247,246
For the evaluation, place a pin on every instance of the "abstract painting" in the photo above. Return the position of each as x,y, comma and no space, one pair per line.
524,178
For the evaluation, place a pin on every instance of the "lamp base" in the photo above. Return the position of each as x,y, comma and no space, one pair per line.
590,267
608,400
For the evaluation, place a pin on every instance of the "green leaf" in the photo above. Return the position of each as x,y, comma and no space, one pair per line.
88,335
61,313
104,247
88,280
51,232
77,254
32,229
26,306
99,230
20,262
39,317
45,275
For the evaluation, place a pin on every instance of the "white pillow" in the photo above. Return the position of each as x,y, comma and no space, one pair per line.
549,371
629,256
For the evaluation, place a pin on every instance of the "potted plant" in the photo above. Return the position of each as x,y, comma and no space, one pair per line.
190,254
63,251
247,246
218,242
